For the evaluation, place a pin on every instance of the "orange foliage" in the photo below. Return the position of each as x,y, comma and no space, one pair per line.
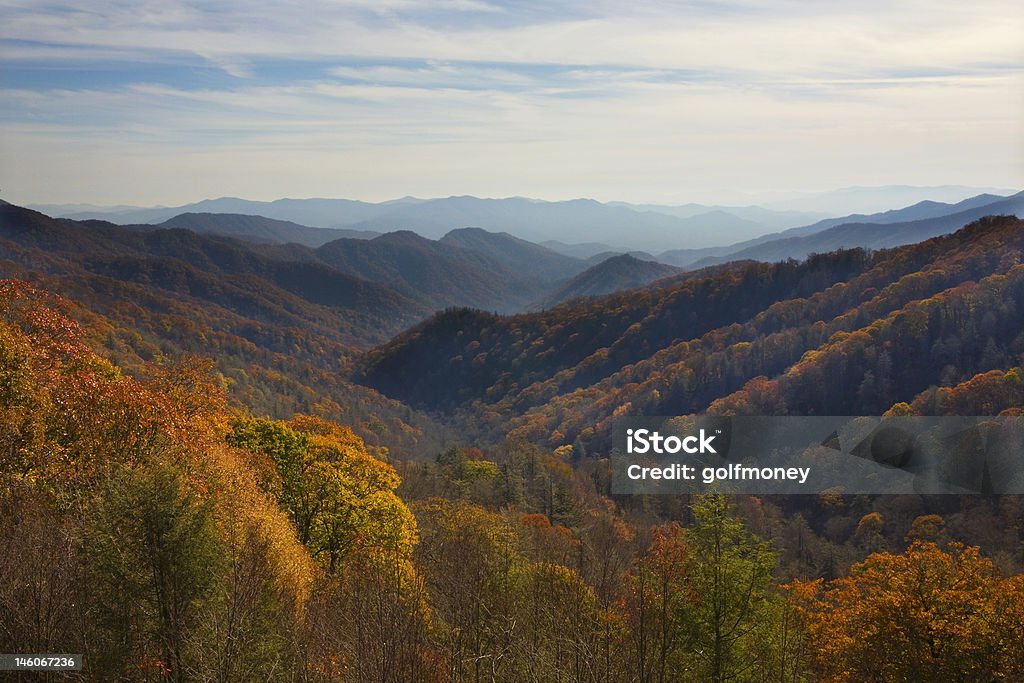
927,615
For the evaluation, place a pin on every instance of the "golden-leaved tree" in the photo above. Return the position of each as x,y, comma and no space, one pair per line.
929,614
369,619
132,531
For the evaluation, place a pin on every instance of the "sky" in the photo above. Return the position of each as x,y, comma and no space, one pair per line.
165,102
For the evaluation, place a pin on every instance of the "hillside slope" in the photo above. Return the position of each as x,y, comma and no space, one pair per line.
282,332
442,274
259,228
614,274
846,332
518,256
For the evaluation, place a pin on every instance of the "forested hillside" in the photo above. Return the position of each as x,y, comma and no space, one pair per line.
259,228
613,274
441,274
195,487
167,537
526,259
848,332
282,330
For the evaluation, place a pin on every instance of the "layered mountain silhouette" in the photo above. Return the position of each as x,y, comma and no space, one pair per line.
440,273
259,228
519,256
934,324
580,228
886,229
577,220
388,281
206,271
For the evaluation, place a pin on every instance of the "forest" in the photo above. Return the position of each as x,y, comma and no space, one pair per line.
269,496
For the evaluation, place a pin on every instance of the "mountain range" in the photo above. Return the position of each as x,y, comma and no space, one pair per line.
486,453
260,228
400,325
840,333
885,229
378,283
586,227
573,220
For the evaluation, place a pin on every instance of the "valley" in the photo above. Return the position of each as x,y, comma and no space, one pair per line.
427,422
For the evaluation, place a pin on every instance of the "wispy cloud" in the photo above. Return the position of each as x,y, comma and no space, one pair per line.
549,98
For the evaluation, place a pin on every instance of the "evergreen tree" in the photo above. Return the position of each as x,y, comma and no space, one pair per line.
732,579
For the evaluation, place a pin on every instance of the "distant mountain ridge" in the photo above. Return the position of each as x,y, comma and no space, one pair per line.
262,228
520,256
576,220
965,210
617,226
868,200
310,212
874,235
442,274
583,250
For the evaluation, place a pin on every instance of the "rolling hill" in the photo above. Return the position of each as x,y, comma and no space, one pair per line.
844,332
518,256
878,233
441,274
614,274
786,244
259,228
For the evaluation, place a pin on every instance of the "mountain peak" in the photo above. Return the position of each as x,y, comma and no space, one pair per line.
401,237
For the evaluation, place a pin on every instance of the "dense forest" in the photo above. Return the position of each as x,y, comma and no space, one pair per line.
281,327
207,474
923,324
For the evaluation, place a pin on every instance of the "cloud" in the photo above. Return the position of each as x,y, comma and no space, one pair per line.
777,37
663,97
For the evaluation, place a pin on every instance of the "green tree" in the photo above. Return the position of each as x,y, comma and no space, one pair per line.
285,447
153,554
340,497
732,581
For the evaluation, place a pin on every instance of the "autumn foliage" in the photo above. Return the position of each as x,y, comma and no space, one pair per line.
153,521
929,614
167,551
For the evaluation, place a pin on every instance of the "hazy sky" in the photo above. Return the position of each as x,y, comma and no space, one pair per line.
170,101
